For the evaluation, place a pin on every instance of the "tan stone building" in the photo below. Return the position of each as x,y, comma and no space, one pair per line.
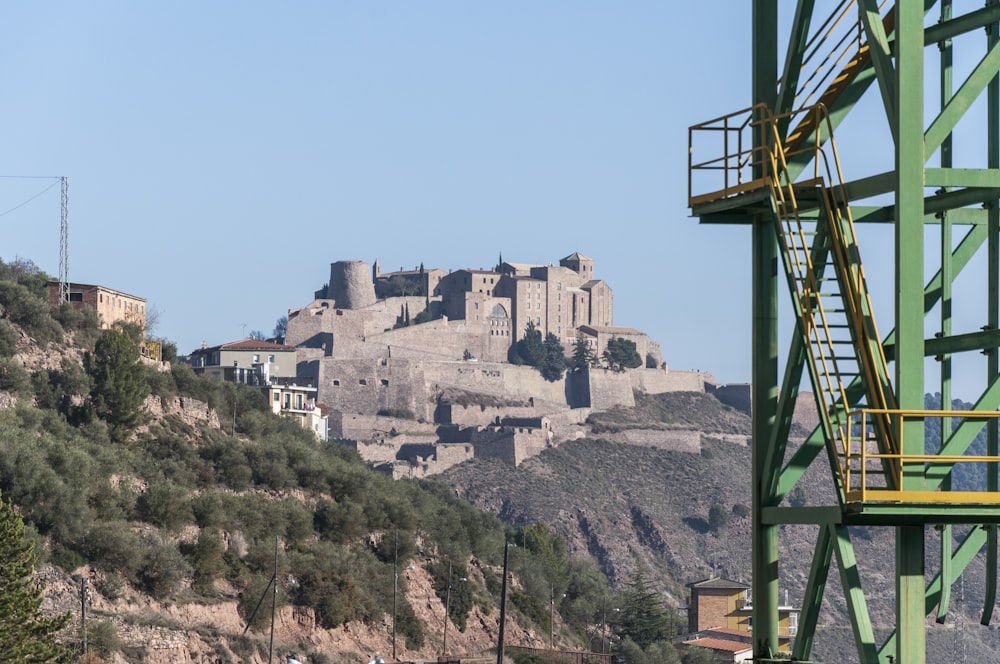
112,306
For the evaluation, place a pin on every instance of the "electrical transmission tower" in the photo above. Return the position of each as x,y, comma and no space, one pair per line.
64,241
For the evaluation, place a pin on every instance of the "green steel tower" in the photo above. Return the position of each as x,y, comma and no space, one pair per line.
926,187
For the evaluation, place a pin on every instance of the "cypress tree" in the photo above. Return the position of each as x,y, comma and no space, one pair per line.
25,635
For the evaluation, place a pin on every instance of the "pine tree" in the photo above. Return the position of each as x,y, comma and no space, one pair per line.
531,348
25,635
644,619
621,354
554,365
583,354
120,384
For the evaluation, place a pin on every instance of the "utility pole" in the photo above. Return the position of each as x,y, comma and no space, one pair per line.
503,604
395,586
83,613
274,601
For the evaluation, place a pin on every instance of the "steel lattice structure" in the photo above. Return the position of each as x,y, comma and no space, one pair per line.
851,66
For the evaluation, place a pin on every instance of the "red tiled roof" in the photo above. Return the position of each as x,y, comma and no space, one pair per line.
724,632
720,644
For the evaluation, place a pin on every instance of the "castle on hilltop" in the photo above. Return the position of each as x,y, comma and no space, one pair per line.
479,313
412,366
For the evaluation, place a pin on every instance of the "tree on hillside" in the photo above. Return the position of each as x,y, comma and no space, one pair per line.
621,354
554,365
280,328
119,382
583,354
25,635
644,618
530,349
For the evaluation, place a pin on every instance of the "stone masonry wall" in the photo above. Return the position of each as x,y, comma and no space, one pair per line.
366,386
366,427
610,388
659,381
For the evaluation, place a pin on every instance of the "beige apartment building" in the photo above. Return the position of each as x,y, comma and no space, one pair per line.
112,306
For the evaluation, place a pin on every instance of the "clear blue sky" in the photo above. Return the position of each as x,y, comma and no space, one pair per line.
222,154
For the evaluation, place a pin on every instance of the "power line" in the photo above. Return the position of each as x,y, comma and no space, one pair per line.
23,203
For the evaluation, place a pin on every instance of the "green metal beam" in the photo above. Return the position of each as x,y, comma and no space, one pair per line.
878,43
793,59
813,597
973,87
857,607
961,177
957,343
960,25
909,260
764,392
971,544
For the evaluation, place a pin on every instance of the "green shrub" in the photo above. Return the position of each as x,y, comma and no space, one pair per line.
162,570
8,339
208,558
113,547
29,310
102,638
165,504
13,377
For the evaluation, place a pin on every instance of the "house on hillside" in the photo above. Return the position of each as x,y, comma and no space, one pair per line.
725,605
248,362
111,306
272,368
289,398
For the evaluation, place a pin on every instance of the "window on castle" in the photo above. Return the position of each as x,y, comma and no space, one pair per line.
336,383
385,381
362,382
558,285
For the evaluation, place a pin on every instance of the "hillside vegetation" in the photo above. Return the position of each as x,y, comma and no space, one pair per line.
154,496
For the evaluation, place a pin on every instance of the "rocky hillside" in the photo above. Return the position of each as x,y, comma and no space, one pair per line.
627,505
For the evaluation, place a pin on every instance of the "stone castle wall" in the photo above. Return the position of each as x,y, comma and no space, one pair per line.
609,388
474,415
673,440
367,427
366,386
659,381
736,395
496,379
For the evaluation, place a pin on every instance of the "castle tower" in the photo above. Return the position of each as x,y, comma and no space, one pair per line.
582,265
351,285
